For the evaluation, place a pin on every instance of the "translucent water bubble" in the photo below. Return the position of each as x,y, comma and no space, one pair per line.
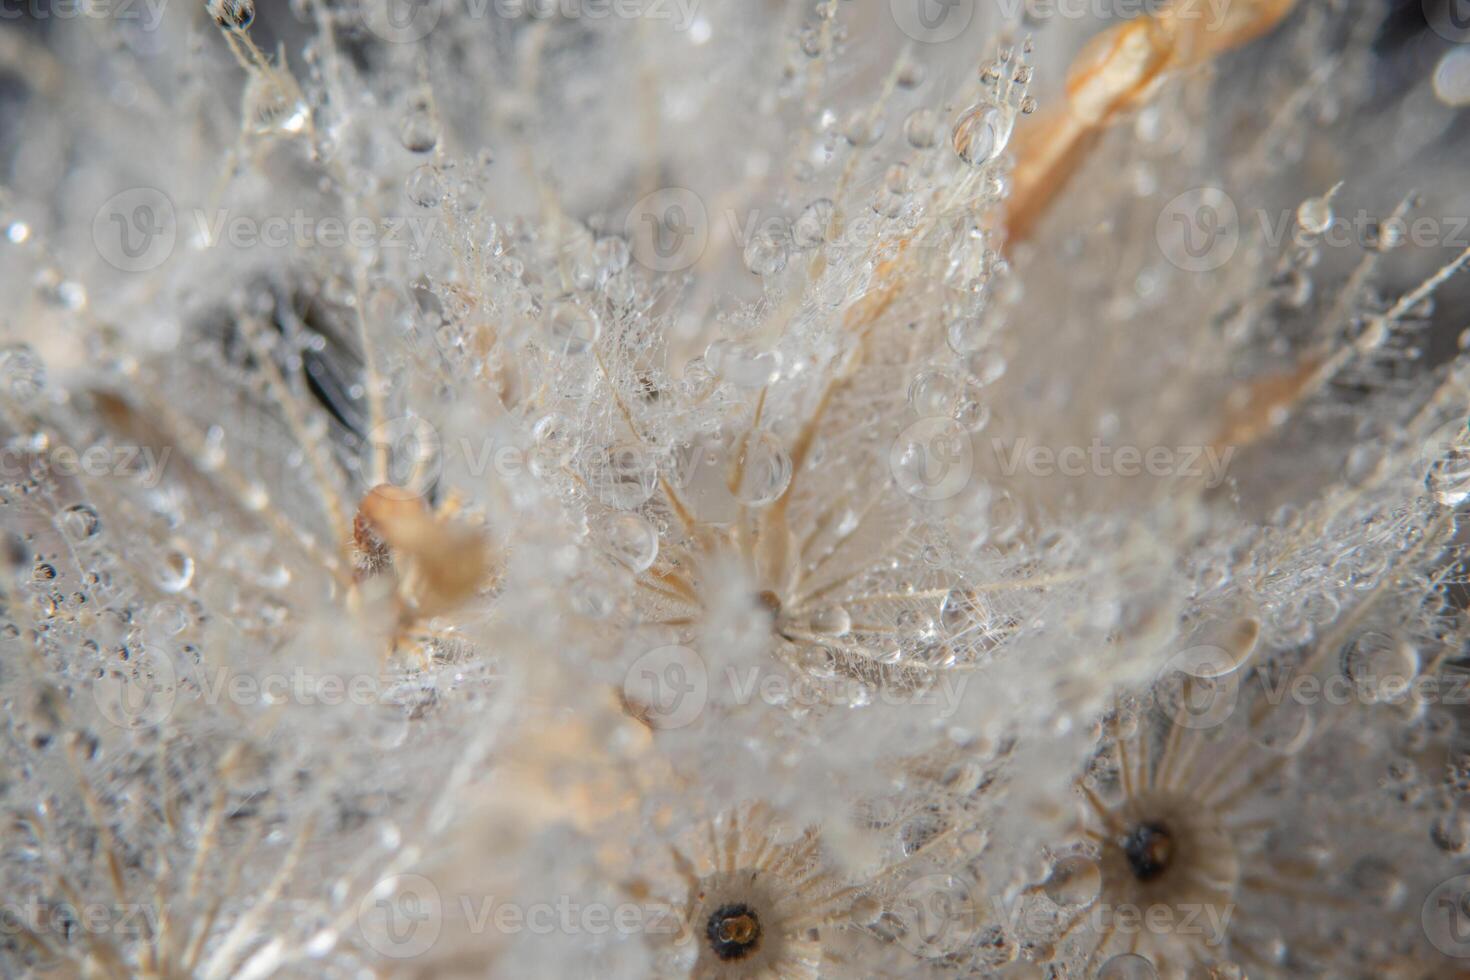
831,620
933,392
741,364
1074,880
811,225
987,365
22,373
425,186
1448,478
921,128
967,334
175,571
765,470
1452,78
1314,215
79,522
972,411
631,540
766,253
1128,966
625,477
1380,666
572,330
981,133
420,131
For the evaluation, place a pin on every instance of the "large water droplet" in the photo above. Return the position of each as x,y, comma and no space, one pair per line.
765,470
981,133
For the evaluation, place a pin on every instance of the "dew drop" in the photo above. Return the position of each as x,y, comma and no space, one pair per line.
765,470
22,373
572,329
831,620
933,392
811,225
981,133
175,571
1074,880
766,253
631,540
1128,966
743,365
420,131
921,128
425,186
1314,215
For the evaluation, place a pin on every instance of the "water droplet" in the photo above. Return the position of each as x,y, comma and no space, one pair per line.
743,365
811,225
572,329
22,373
631,540
425,186
1074,880
921,128
765,470
981,133
625,477
933,392
1380,666
766,253
175,571
1452,78
1314,215
1128,966
420,131
831,620
79,522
